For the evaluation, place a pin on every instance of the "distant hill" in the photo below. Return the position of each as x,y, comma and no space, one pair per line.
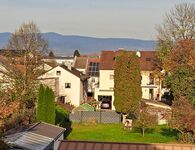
66,44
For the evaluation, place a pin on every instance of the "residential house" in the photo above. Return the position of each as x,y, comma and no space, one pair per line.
151,88
40,136
68,84
90,67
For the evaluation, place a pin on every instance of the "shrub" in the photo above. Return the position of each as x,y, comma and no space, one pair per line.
46,106
62,116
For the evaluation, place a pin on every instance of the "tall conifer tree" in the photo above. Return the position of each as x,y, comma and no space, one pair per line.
127,82
46,106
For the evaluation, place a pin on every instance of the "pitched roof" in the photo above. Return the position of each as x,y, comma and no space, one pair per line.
80,62
47,130
147,58
107,60
75,72
38,136
90,64
92,145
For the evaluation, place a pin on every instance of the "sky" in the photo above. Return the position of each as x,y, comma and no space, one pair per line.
98,18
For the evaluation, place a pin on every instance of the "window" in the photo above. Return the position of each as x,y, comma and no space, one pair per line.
62,99
67,85
58,73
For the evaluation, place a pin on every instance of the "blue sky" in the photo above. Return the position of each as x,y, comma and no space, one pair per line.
98,18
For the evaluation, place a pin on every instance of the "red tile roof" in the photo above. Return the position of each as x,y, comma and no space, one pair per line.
147,58
107,60
80,62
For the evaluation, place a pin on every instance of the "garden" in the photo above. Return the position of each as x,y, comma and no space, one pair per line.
116,133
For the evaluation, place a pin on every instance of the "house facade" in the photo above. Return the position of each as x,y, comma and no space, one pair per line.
68,84
151,86
90,67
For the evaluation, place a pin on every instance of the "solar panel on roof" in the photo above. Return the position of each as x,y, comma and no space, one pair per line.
93,69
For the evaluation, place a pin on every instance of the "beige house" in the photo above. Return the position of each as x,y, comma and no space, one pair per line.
151,88
69,84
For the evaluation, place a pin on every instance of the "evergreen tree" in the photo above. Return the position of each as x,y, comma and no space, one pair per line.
51,54
40,105
76,53
46,106
127,82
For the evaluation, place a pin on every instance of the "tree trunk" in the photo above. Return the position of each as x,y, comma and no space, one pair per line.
143,131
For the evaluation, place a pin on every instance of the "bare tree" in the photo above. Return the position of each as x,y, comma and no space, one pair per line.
179,23
24,52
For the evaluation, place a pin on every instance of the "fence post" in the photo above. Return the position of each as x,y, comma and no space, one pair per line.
100,116
81,116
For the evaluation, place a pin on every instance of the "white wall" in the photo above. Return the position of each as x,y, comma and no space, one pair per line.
93,83
72,94
57,142
105,82
145,85
106,85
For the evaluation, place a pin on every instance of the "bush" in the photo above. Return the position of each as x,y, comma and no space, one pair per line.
62,116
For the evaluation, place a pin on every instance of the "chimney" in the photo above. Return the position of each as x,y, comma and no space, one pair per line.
138,54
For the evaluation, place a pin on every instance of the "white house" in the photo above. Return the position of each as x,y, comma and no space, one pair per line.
69,84
151,88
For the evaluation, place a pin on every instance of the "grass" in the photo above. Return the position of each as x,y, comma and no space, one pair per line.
116,133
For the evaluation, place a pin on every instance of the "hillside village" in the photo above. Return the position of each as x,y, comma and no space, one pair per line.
117,99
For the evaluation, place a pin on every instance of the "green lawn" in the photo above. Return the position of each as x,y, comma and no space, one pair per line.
115,133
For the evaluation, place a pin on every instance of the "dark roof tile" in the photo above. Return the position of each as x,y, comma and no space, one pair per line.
47,130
